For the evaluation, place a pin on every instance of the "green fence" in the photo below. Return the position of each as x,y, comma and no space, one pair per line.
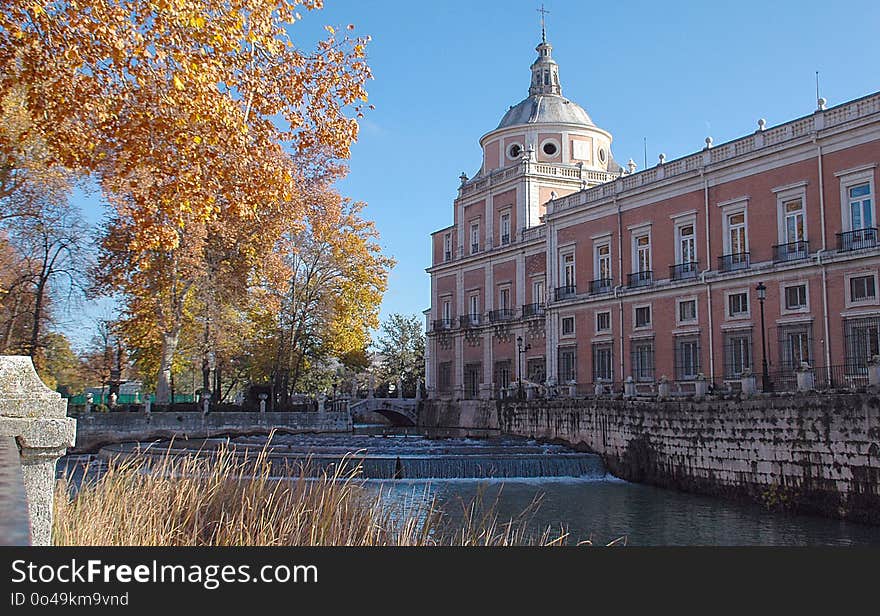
80,399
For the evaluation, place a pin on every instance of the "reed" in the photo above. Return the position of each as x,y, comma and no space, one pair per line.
226,499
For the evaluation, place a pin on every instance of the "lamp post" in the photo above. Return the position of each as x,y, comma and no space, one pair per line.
520,349
766,385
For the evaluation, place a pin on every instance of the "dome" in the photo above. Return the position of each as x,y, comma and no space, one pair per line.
541,109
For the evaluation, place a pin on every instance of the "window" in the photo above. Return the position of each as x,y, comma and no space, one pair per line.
862,341
736,233
795,342
737,354
447,247
538,292
643,316
502,374
643,252
643,360
504,299
505,229
796,297
568,279
687,358
475,237
536,371
567,364
738,304
603,363
550,148
687,310
444,378
475,309
514,151
447,310
687,244
472,380
794,221
603,261
567,326
861,212
862,288
603,322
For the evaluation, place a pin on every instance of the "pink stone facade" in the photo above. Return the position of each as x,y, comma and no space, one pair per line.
653,275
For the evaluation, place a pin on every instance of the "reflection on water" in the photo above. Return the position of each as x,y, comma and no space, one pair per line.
605,510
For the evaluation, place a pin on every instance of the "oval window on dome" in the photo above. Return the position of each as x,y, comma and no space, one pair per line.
549,148
514,151
602,155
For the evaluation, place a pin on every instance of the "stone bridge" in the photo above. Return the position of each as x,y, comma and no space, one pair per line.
399,411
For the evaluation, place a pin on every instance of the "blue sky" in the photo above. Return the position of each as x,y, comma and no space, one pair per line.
669,72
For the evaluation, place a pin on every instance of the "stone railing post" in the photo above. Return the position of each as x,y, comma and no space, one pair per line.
37,418
806,379
663,388
749,384
874,371
700,386
629,388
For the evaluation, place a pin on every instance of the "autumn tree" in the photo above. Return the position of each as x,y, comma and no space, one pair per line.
187,113
401,350
320,292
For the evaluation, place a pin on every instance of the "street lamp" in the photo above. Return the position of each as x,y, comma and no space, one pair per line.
520,349
766,385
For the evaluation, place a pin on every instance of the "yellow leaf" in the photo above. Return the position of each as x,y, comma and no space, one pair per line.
197,139
178,83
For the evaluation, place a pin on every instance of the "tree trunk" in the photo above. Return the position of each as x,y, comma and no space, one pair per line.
163,383
39,294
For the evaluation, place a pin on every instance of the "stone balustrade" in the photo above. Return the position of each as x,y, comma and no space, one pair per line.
35,419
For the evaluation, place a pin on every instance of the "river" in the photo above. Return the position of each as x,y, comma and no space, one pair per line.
575,493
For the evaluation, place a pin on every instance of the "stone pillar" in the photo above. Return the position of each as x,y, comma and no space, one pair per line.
206,403
700,386
749,384
806,378
598,389
90,400
262,398
663,388
148,404
37,418
418,389
874,371
322,401
629,388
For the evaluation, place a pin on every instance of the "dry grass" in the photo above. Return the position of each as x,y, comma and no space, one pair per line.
225,499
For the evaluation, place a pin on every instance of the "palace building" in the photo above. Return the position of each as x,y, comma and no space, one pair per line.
563,268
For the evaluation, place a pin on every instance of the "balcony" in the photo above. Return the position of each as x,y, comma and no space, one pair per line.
502,315
640,279
505,240
684,271
475,248
533,311
566,292
447,256
601,285
442,324
857,239
470,320
793,251
733,262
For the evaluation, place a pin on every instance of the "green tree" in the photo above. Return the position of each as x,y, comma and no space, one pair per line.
401,349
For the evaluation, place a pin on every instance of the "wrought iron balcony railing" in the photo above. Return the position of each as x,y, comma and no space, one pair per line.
644,278
793,251
532,311
447,256
565,292
857,239
442,324
501,315
684,271
505,240
733,261
601,285
470,320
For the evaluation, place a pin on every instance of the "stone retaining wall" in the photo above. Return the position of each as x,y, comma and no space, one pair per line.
811,453
97,429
